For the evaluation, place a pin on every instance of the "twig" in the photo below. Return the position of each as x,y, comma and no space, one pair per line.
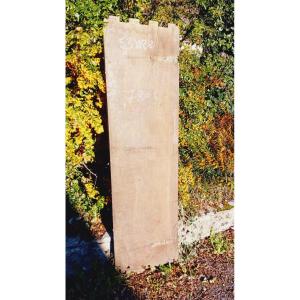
90,172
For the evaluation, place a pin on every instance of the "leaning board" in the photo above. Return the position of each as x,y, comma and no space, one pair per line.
142,98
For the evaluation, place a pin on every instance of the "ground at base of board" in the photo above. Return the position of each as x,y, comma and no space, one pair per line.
205,271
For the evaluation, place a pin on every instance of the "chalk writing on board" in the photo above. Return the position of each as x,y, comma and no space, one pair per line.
139,99
127,43
167,59
139,95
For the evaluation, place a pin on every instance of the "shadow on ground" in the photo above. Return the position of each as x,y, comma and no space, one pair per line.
89,274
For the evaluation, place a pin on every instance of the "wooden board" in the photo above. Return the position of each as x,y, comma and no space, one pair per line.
142,80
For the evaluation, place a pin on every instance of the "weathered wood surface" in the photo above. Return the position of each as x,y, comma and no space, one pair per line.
142,79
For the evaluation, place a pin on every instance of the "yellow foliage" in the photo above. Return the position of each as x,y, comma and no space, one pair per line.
84,85
92,193
186,182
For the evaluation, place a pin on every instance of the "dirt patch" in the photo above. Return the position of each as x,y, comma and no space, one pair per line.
205,276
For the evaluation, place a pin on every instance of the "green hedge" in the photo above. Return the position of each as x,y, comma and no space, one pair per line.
206,96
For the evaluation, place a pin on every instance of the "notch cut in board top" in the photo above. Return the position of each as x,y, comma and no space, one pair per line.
116,19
